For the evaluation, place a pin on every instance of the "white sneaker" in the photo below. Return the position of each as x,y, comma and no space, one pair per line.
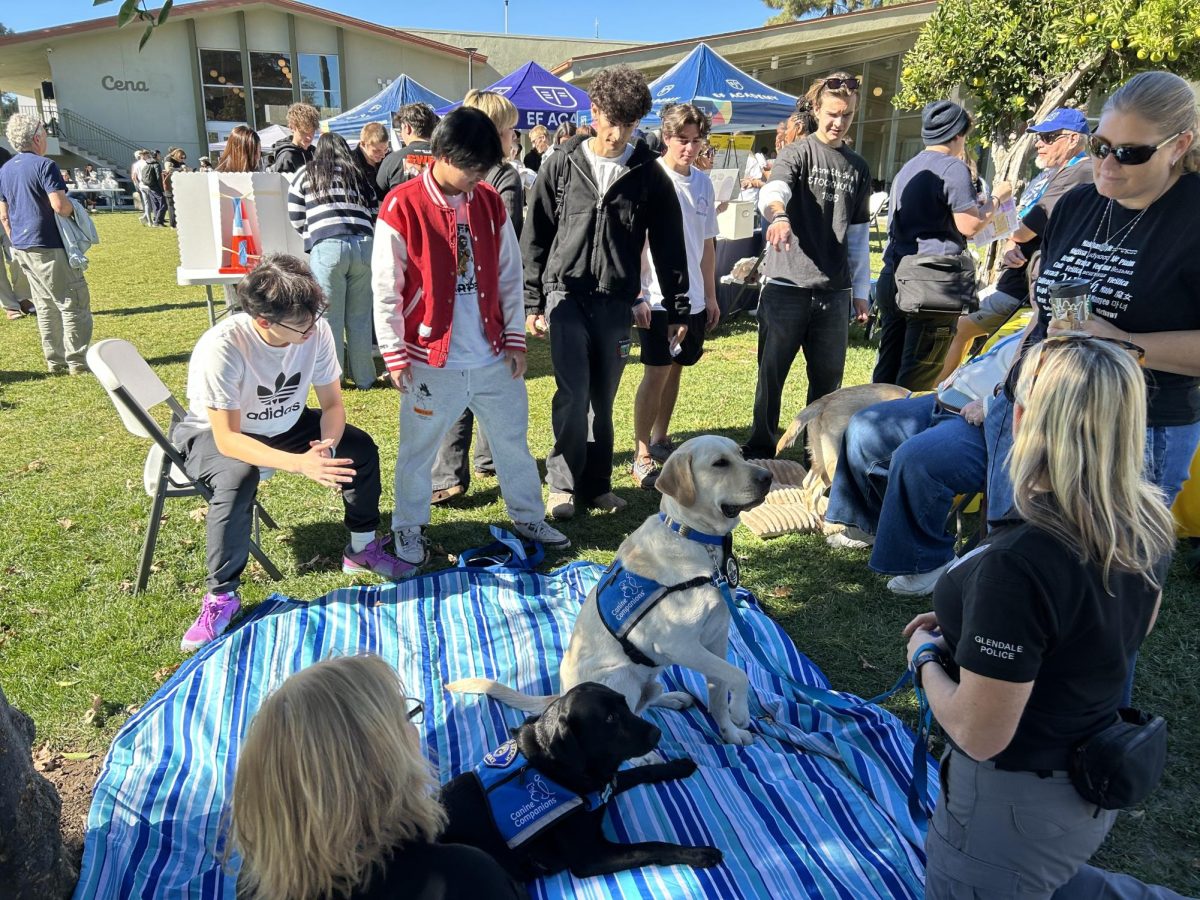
411,546
851,539
916,585
544,532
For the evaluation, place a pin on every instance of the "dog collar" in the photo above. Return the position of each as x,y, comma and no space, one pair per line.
714,540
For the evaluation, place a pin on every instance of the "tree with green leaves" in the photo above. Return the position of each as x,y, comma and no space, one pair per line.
137,11
1020,59
790,10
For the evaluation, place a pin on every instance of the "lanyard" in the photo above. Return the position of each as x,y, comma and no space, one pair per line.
1038,186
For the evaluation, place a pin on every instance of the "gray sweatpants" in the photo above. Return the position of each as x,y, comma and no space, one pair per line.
64,306
1000,835
434,403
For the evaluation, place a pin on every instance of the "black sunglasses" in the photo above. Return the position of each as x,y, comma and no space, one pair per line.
416,710
1010,384
1128,155
1049,137
850,84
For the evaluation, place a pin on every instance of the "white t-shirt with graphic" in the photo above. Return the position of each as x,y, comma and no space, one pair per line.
697,202
469,346
232,367
607,169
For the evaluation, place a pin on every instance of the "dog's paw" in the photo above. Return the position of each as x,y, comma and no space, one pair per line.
674,700
740,716
704,857
681,768
730,734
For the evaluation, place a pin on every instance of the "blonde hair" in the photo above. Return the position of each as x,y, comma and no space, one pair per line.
539,131
330,778
818,91
1166,101
303,117
495,106
679,115
1078,456
373,133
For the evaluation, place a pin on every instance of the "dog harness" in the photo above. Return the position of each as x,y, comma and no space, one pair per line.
524,801
623,598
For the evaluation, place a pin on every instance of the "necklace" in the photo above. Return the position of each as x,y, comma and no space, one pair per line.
1101,255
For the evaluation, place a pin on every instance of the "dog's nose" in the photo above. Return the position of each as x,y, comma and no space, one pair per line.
762,477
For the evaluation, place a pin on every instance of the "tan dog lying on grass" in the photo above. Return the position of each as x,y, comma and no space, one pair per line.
706,484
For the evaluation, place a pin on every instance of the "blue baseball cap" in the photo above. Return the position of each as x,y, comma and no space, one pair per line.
1062,119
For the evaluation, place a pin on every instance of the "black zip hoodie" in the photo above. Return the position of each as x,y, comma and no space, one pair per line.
578,242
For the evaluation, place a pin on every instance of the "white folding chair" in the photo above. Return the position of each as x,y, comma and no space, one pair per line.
135,390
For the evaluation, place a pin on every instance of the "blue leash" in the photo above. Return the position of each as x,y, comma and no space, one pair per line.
918,788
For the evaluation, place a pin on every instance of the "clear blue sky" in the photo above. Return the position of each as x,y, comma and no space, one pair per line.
658,20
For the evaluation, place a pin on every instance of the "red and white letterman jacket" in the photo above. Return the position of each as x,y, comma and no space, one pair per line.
414,272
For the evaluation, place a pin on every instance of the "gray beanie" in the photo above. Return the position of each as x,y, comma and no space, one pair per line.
942,121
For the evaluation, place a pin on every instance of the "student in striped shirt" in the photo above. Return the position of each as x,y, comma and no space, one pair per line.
329,203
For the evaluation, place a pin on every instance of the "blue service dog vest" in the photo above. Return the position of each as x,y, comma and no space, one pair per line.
524,801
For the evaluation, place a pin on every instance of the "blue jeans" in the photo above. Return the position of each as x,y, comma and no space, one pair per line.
342,266
901,465
1169,452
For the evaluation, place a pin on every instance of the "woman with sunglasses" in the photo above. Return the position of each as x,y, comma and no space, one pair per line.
332,797
1032,633
1132,235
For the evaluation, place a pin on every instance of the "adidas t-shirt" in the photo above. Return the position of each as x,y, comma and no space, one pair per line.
697,201
232,367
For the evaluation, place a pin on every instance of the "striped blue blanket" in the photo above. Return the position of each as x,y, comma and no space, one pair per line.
815,807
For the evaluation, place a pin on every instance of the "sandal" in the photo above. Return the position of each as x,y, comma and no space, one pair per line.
14,314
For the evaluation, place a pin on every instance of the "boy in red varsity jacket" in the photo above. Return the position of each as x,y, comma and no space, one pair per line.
449,316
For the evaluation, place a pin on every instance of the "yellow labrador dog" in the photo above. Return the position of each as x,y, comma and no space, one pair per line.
658,605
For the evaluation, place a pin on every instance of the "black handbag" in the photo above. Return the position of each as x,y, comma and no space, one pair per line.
1118,767
936,284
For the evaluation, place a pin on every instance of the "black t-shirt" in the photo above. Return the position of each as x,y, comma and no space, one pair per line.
1015,282
1146,275
831,190
400,165
926,193
441,872
1022,607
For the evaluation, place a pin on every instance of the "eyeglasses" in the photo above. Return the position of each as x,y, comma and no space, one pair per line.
1128,155
850,84
415,711
1049,137
307,331
1059,340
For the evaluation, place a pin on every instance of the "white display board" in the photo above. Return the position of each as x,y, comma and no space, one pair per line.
204,211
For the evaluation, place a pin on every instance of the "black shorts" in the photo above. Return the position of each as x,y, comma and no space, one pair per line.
656,348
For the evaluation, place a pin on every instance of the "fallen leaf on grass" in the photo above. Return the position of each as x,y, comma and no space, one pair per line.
67,524
866,664
132,708
126,586
199,514
34,465
14,570
67,683
313,563
78,756
44,760
34,611
94,710
781,592
164,673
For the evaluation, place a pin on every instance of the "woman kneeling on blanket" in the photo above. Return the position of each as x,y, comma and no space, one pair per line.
1034,632
332,798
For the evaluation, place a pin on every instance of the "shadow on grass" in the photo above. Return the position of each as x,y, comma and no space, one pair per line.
158,307
169,359
8,376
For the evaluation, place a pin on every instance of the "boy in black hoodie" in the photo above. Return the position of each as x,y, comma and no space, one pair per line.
594,205
298,150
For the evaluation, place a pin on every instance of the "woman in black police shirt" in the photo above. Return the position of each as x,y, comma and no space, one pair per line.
1041,621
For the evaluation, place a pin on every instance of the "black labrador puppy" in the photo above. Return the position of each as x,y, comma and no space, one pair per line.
561,766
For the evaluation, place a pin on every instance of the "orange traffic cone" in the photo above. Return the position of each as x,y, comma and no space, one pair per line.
243,254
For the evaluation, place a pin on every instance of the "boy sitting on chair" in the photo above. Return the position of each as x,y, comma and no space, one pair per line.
248,381
449,309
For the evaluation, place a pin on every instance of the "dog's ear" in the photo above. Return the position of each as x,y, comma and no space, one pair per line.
676,480
556,742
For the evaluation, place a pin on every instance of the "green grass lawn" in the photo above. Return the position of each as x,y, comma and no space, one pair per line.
73,513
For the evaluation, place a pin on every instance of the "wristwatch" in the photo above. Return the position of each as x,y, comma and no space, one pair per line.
923,656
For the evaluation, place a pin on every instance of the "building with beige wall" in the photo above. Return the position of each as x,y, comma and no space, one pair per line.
212,65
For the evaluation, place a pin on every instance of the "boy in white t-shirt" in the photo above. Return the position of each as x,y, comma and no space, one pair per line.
248,383
664,356
446,271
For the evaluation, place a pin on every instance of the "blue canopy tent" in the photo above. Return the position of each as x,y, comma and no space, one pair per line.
540,98
734,100
380,107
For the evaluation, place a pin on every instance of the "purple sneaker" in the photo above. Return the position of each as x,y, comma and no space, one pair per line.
375,558
216,610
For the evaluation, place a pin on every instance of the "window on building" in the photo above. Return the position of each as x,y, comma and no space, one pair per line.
271,75
224,85
320,82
